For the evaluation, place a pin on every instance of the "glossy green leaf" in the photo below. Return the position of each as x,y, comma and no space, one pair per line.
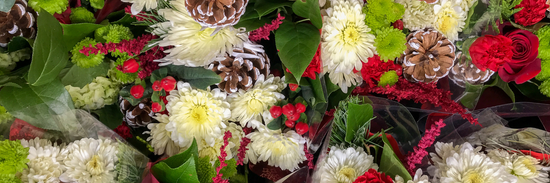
358,114
6,80
126,20
80,77
390,163
297,44
5,5
264,7
309,9
276,124
471,95
49,55
466,47
313,91
97,4
159,74
531,90
251,20
198,77
74,33
42,106
337,96
331,87
17,43
180,168
506,88
110,115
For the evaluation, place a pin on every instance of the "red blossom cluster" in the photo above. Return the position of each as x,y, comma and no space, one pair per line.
147,61
420,152
221,158
533,11
373,176
263,32
132,47
309,157
374,68
123,130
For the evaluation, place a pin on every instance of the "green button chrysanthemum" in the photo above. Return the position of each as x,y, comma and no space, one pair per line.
390,43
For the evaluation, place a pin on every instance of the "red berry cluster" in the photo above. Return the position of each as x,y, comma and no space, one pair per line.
292,113
168,84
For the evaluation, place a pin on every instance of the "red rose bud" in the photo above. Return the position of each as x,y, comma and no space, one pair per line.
290,124
137,91
294,117
398,24
300,108
130,66
293,86
157,86
289,110
276,111
156,107
168,83
301,128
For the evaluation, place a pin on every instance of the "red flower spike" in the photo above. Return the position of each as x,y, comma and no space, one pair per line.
293,86
130,66
289,110
290,123
300,108
276,111
137,91
294,117
301,128
168,83
398,24
156,107
157,86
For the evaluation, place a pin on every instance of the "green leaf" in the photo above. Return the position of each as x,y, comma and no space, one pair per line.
264,7
110,115
80,77
73,33
5,5
309,9
17,43
313,91
180,168
41,106
49,55
126,20
466,47
276,124
198,77
337,96
471,95
506,88
331,87
531,90
358,114
251,20
390,163
97,4
297,44
125,93
159,74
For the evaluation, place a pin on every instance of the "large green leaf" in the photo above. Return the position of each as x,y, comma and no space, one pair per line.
390,163
251,20
198,77
73,33
49,55
17,43
297,44
110,115
80,77
358,114
309,9
41,106
531,90
313,91
5,5
264,7
180,168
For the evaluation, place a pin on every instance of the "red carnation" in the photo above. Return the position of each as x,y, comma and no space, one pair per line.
533,11
372,176
491,52
374,68
524,64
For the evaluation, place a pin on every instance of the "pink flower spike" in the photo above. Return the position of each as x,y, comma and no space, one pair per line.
420,152
263,32
218,178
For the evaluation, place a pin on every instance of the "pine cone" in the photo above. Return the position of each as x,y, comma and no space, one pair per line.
20,21
465,71
139,115
429,56
216,13
242,68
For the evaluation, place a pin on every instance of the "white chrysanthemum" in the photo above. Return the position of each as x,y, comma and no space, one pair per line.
449,18
196,113
160,138
345,42
344,165
283,150
526,168
193,46
418,14
90,161
467,4
247,107
44,161
418,178
443,151
137,5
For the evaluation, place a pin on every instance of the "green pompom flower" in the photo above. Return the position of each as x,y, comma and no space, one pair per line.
205,171
9,178
544,42
381,13
544,71
102,91
544,87
113,33
51,6
4,115
82,60
390,43
13,157
81,15
388,78
8,60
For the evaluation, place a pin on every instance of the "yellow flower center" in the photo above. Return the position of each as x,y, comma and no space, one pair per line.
473,177
199,114
347,172
95,166
529,165
448,21
350,34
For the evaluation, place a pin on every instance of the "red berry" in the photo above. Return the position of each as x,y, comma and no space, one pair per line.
301,128
289,110
398,24
300,108
168,83
293,86
157,86
137,91
130,66
156,107
290,124
275,111
294,117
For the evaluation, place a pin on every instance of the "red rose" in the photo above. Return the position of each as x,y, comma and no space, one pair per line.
533,11
372,176
491,52
524,64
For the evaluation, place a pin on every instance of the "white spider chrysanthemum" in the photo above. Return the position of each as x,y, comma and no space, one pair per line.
345,42
418,14
418,178
196,113
526,168
449,18
283,150
44,161
247,107
90,161
137,5
160,138
193,46
344,165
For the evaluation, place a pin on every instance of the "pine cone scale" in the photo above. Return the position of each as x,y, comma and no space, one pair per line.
19,21
216,13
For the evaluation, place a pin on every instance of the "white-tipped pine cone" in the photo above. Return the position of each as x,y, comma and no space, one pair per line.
464,71
139,115
216,13
19,21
